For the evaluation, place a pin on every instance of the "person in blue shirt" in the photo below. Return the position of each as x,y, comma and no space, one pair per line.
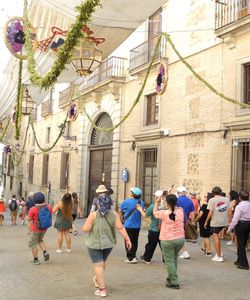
132,224
187,205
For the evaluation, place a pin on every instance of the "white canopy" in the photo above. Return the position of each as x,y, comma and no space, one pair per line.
114,22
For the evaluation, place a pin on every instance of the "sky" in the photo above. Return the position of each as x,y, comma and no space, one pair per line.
8,9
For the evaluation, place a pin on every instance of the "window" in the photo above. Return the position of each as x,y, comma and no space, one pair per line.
155,24
45,169
64,178
33,140
10,171
31,168
152,106
246,83
48,135
148,173
241,165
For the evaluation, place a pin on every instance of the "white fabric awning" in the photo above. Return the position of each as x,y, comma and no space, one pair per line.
114,22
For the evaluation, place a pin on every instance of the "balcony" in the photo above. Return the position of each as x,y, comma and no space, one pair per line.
111,68
46,108
230,15
142,54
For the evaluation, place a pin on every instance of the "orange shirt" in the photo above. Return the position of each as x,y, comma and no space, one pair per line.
2,207
171,230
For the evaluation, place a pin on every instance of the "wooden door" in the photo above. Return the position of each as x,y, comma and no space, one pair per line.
99,172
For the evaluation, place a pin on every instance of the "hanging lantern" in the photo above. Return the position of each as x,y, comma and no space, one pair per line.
28,105
86,57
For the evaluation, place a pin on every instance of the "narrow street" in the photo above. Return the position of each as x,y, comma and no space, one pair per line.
69,275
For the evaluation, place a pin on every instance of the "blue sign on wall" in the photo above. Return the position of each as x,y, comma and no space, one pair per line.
125,175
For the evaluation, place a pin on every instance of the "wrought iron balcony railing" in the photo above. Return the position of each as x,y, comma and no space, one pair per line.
113,67
143,53
229,11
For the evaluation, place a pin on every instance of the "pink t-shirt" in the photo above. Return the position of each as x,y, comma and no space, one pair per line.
171,230
33,216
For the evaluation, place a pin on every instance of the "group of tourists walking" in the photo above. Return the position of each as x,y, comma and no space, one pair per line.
171,215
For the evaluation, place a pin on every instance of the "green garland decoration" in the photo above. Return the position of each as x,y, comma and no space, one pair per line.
84,13
19,101
207,84
57,139
5,129
137,99
16,164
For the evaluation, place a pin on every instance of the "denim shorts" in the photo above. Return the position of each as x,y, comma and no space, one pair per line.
98,255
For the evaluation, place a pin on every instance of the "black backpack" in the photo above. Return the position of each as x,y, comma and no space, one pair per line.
13,205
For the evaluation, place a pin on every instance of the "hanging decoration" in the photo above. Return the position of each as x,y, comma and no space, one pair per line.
14,37
72,111
7,149
64,53
51,42
162,78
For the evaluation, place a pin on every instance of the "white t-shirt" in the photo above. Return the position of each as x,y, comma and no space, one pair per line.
219,206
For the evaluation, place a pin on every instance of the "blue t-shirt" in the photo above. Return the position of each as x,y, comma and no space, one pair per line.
186,204
134,220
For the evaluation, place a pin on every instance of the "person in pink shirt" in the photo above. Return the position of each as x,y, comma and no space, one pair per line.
171,236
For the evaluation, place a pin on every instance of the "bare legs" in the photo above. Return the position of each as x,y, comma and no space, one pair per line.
206,245
217,244
99,269
60,239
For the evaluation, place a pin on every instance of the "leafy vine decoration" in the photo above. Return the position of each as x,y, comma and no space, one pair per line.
137,99
19,100
57,139
5,129
64,53
199,77
19,160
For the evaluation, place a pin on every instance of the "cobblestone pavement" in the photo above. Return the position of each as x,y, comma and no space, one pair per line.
69,275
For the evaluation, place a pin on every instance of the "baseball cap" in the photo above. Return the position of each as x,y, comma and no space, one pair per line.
181,189
136,191
193,193
39,198
158,193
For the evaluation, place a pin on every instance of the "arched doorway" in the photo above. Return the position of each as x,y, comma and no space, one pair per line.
100,157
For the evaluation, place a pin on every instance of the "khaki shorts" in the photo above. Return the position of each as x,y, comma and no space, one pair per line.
35,238
13,213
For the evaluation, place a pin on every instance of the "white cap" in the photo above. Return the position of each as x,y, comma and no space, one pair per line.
159,193
181,189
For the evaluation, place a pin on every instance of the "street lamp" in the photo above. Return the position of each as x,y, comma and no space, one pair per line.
28,105
86,57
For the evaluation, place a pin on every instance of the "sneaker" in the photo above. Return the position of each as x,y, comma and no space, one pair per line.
203,251
173,286
208,253
95,282
59,250
101,293
185,255
217,258
230,243
75,232
35,262
143,260
46,256
133,261
68,250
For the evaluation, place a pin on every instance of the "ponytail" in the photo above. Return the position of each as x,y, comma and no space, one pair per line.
172,201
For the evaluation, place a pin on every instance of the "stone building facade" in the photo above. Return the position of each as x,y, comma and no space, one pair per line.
187,136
